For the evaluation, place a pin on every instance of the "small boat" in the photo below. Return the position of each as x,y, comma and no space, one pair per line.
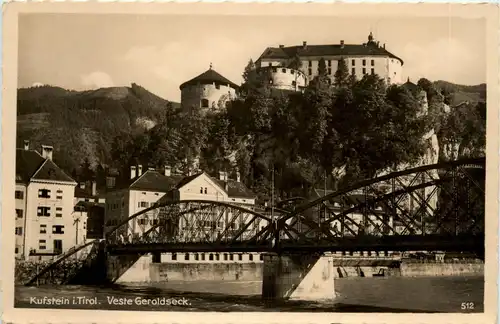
381,273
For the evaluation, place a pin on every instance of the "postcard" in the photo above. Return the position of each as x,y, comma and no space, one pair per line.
233,163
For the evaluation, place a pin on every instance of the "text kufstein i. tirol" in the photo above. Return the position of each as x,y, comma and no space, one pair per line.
110,300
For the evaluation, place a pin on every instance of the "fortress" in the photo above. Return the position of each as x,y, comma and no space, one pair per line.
293,67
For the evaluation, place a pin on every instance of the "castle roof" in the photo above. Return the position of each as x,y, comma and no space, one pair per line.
369,49
208,77
30,165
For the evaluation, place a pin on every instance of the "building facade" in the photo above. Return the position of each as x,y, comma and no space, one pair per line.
208,91
360,59
44,205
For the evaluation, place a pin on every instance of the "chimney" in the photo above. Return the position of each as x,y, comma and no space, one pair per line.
282,46
26,145
167,171
304,44
133,173
238,176
341,43
384,45
139,170
47,152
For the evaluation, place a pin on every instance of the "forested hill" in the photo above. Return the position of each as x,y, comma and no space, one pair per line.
461,93
82,124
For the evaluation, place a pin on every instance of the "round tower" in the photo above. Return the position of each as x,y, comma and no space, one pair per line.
209,90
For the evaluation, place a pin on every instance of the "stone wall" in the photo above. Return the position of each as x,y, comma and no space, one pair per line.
441,269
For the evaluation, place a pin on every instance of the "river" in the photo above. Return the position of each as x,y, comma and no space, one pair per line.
389,294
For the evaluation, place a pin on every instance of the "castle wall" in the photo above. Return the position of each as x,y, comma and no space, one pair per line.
207,96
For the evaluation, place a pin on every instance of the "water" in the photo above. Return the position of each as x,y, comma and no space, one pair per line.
378,294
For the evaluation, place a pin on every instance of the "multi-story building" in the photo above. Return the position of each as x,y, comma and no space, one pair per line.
89,221
44,205
87,191
209,90
360,59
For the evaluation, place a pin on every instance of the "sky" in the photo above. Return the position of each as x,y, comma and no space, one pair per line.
82,52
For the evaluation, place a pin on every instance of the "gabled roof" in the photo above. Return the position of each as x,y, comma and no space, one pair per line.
208,77
370,49
154,181
31,165
235,189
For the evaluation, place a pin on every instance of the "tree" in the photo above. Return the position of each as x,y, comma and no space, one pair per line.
341,76
322,67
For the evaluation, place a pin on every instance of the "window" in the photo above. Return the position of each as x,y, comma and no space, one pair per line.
283,70
19,231
250,257
143,221
174,256
196,256
275,69
43,229
43,211
373,71
201,190
240,257
16,251
217,257
225,256
43,193
205,190
364,62
204,103
329,70
292,72
217,86
294,83
210,257
261,257
203,257
42,244
310,71
373,62
19,213
353,62
58,229
58,211
58,246
310,63
231,257
59,194
143,204
353,71
329,63
19,194
364,70
186,256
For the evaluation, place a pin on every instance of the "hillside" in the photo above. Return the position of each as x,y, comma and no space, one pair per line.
87,120
461,93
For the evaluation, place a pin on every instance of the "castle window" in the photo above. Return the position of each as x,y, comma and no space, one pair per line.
292,72
186,256
373,71
174,256
364,71
217,86
250,257
364,62
373,62
204,103
329,62
283,70
353,62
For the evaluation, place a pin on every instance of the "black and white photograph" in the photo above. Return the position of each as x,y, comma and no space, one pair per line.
247,163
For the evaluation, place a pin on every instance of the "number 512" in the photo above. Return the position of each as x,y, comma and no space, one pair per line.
467,306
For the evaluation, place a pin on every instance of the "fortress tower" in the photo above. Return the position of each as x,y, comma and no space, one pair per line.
207,91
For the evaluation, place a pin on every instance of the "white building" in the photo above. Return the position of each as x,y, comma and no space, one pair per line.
361,59
44,205
209,90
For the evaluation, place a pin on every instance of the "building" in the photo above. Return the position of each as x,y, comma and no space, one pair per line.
89,221
44,204
209,90
87,192
361,59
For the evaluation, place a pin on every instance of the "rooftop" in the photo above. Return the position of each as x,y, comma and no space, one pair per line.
31,165
208,77
371,48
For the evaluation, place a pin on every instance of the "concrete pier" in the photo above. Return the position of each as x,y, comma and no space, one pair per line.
298,277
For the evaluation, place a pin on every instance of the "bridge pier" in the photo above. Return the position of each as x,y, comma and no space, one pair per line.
298,276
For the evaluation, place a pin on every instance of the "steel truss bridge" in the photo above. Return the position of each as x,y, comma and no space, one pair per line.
437,207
